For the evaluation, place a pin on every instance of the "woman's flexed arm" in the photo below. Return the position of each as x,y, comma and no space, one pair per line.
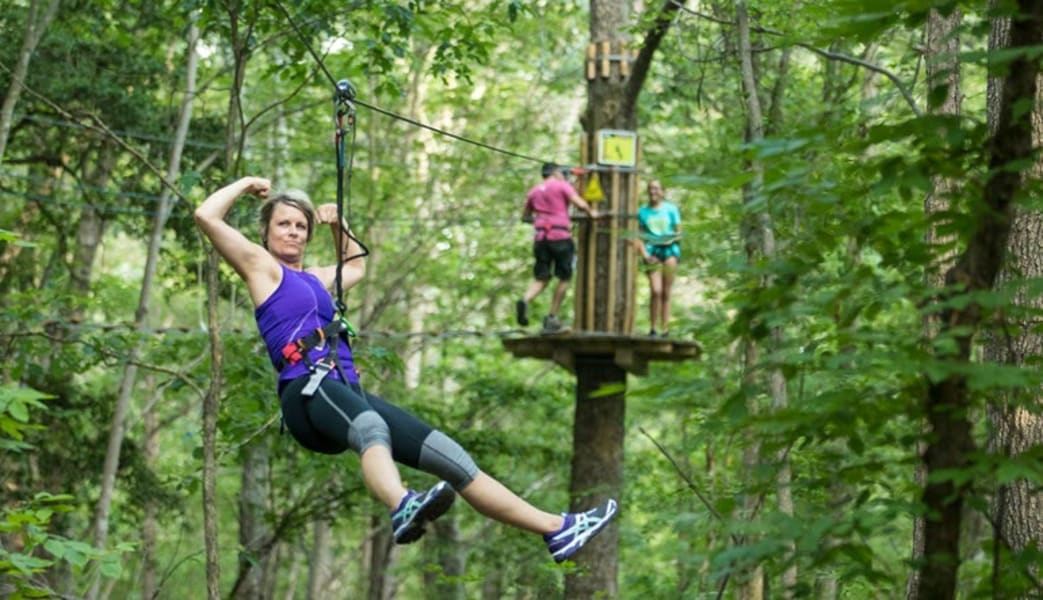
246,257
353,269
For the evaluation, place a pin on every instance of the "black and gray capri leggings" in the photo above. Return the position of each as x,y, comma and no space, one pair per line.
340,416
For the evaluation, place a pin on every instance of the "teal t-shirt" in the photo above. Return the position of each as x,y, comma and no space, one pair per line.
660,225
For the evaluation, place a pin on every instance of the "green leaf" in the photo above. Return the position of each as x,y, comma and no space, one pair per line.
111,568
18,410
77,553
55,546
29,564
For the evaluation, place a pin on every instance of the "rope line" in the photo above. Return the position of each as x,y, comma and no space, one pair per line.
450,134
393,115
58,332
397,222
49,329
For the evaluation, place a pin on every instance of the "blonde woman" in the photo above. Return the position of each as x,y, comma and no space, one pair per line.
323,404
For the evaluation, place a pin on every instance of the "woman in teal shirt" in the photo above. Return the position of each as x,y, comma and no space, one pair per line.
659,222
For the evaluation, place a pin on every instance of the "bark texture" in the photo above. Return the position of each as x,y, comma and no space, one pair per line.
943,81
597,472
950,444
597,451
35,26
1016,425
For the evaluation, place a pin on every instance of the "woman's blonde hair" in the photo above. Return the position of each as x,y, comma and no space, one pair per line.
297,199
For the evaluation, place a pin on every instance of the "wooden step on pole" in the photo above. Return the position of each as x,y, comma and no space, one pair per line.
613,256
592,67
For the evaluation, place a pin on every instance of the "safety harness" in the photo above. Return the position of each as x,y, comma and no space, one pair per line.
299,349
542,231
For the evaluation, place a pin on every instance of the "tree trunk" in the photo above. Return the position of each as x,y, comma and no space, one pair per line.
784,476
234,141
776,378
759,240
320,565
18,268
150,523
210,407
597,471
34,29
750,582
943,70
90,229
1016,426
293,576
950,444
89,233
116,430
381,553
254,531
597,446
446,551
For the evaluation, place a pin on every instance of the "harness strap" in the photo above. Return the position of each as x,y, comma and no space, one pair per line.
298,350
543,230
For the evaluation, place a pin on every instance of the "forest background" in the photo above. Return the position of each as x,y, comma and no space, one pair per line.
860,265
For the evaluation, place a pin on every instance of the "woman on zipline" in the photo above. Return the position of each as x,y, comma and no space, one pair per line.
325,409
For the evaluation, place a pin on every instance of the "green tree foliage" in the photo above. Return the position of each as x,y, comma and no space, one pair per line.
848,161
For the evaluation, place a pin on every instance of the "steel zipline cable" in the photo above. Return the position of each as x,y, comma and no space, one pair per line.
337,85
344,100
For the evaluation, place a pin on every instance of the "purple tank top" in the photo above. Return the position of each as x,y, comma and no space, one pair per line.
296,308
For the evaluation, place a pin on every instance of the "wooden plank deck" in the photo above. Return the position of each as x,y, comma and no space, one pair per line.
630,352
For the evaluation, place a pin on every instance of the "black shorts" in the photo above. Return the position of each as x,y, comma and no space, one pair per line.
321,422
561,254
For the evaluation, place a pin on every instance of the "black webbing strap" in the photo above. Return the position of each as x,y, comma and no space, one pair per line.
296,351
344,119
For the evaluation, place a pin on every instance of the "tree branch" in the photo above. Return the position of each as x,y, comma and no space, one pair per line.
653,37
898,83
99,126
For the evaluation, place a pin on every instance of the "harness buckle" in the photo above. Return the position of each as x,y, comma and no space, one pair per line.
318,373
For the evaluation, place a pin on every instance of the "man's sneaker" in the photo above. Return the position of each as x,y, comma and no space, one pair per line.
521,312
578,529
552,324
417,509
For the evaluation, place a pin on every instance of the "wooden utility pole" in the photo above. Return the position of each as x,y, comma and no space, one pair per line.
600,349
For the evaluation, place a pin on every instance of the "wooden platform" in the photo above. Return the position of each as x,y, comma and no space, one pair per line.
630,352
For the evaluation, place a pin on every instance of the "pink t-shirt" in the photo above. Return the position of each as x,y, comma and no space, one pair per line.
549,203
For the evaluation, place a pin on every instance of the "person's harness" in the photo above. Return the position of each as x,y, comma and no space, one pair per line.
298,350
542,231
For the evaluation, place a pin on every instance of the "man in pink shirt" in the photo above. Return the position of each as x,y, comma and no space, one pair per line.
547,208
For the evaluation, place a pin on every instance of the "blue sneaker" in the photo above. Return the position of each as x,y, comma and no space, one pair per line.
578,529
417,509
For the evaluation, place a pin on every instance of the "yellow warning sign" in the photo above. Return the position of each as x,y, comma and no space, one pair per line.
593,192
617,147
